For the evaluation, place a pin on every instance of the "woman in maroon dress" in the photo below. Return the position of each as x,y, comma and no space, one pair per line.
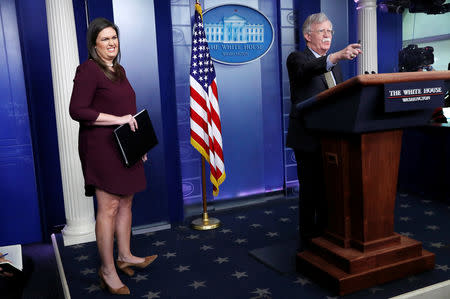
102,99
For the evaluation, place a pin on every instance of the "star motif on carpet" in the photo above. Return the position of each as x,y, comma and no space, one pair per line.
283,219
221,260
238,274
82,258
206,247
407,234
87,271
293,207
425,200
78,246
241,217
240,241
437,245
198,284
192,237
261,292
403,194
183,227
151,295
93,288
149,234
405,218
432,227
328,297
255,225
159,243
182,268
442,267
268,212
272,234
374,290
302,281
429,213
170,254
140,277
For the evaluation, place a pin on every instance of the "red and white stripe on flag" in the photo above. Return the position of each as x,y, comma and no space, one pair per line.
206,132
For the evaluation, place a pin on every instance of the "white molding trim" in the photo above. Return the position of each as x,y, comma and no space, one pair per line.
154,227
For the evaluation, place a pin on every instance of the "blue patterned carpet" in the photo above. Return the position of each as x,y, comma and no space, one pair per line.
217,264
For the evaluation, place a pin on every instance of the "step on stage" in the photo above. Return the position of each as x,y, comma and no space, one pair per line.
360,248
346,270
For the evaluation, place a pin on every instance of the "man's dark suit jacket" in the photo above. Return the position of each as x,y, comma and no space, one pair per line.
306,78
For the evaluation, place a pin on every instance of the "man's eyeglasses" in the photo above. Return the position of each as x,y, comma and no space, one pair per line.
322,31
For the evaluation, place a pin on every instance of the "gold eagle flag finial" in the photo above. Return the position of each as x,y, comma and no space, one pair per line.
198,8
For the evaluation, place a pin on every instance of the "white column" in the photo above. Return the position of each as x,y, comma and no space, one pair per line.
367,34
79,209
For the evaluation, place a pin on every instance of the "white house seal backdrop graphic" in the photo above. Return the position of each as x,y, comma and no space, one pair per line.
237,34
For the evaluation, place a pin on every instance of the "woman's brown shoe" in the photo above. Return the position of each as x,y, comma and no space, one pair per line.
125,266
124,290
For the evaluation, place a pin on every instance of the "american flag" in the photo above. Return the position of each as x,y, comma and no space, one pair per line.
206,133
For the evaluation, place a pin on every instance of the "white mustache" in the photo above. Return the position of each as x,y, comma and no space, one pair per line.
326,39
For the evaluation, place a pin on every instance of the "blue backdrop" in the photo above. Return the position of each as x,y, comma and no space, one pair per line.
140,58
19,212
253,100
250,107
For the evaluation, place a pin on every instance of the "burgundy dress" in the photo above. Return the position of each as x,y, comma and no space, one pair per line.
101,162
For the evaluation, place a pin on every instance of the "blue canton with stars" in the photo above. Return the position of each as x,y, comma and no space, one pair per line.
202,69
218,264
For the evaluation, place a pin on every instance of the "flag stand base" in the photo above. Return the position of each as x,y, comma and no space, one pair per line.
205,223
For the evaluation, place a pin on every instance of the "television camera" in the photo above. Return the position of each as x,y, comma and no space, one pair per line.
412,58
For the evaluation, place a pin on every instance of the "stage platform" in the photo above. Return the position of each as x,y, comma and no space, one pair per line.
250,256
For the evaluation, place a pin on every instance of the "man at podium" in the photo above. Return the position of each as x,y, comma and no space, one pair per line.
311,72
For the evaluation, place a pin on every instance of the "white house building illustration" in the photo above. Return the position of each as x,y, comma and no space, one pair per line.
234,29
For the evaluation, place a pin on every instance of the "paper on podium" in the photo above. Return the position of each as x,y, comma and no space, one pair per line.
14,258
134,145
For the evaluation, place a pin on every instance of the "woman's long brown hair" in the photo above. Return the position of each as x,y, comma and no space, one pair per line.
94,29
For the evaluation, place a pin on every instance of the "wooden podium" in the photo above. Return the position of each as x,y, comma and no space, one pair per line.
361,146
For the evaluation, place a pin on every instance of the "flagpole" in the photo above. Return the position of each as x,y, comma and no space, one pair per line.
205,88
205,223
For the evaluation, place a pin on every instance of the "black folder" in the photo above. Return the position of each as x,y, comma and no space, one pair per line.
134,145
